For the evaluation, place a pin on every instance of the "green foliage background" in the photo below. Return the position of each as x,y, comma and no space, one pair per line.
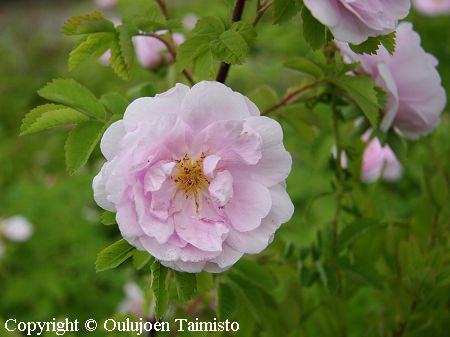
395,260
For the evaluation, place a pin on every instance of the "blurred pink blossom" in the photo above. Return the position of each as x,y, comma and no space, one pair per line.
189,21
134,301
354,21
416,97
379,162
432,7
16,228
196,176
105,4
151,52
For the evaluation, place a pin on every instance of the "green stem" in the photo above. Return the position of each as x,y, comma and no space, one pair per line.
339,184
290,98
237,15
261,9
173,52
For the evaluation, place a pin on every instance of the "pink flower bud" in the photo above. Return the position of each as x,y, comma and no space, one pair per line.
151,52
379,162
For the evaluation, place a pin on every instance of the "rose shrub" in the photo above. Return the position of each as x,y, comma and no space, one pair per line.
196,177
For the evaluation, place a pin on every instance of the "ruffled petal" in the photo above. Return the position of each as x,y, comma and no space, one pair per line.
208,102
109,144
257,201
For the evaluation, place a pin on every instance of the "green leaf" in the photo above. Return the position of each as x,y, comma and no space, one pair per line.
153,24
108,218
264,97
284,10
362,272
361,90
256,274
114,102
160,289
209,26
257,300
122,52
81,142
205,282
70,92
204,66
191,49
353,231
93,45
382,97
372,44
306,66
226,301
140,259
439,190
113,255
186,285
315,33
230,48
48,116
299,112
206,30
86,24
246,30
398,146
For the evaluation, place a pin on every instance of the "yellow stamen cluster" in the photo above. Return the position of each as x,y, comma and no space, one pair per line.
189,177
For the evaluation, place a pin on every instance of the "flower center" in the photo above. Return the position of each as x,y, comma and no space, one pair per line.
189,176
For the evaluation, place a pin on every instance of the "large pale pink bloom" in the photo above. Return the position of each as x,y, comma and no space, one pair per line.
196,176
415,94
379,162
354,21
151,52
432,7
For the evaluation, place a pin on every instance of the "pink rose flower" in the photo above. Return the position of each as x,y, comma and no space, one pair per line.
196,176
415,94
151,52
354,21
379,162
432,7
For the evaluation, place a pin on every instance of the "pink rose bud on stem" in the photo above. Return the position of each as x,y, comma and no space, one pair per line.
354,21
416,97
196,177
152,52
432,7
379,162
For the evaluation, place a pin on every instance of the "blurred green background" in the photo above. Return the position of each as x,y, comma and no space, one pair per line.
53,274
